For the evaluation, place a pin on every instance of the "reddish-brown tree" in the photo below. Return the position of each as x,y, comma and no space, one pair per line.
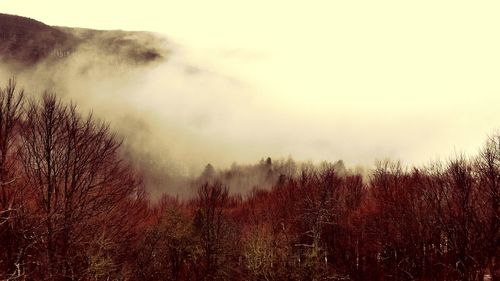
72,167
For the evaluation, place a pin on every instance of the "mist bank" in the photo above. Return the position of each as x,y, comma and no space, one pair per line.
177,111
174,116
166,109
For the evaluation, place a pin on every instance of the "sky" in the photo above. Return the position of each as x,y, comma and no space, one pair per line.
317,80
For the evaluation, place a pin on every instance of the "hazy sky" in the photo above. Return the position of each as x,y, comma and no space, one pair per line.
352,80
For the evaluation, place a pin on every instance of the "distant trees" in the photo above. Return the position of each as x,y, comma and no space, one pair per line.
72,208
432,223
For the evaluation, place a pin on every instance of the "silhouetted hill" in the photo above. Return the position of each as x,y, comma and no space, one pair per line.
27,42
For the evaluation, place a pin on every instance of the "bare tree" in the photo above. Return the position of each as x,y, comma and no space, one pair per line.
168,250
11,111
213,229
488,165
261,254
72,166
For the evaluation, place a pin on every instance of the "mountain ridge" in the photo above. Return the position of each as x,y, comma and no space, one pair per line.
26,42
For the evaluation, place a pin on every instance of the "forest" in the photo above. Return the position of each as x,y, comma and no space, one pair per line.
73,206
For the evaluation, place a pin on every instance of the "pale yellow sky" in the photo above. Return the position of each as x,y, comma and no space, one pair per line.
357,80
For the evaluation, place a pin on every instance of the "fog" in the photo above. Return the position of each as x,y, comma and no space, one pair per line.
356,82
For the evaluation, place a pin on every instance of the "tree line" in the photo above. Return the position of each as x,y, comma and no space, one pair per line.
72,207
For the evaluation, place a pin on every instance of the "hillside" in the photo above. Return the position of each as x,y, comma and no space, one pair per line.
29,41
26,41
